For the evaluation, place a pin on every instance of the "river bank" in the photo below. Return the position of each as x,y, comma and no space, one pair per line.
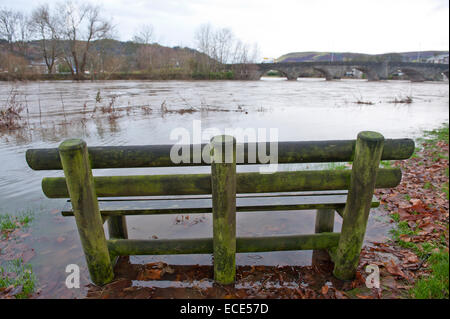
165,75
139,76
419,207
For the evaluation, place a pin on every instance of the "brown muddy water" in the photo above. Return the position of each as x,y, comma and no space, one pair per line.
307,109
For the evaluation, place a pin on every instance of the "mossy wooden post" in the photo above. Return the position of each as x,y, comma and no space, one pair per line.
117,227
223,184
80,183
324,224
368,150
324,221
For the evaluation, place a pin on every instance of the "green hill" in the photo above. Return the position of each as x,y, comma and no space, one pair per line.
350,56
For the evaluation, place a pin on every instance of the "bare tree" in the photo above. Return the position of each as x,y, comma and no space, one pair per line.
23,33
9,26
45,26
223,47
82,24
105,60
145,34
205,43
223,42
204,38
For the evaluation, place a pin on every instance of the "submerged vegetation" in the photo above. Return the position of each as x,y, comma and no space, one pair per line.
8,223
16,275
405,100
15,115
364,102
10,118
17,280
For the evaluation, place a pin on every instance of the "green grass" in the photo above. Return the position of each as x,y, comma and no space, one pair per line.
395,217
422,250
430,139
16,273
386,164
427,185
439,134
402,229
435,253
336,166
445,190
11,222
436,285
416,150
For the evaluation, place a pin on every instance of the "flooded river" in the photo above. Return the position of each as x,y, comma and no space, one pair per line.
144,112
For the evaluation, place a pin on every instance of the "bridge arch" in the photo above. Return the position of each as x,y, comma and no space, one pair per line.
369,73
326,74
409,73
279,70
446,73
374,71
413,75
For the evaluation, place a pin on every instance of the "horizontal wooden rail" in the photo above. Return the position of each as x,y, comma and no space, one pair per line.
195,184
258,203
159,155
126,247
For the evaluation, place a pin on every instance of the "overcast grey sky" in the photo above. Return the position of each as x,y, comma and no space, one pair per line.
282,26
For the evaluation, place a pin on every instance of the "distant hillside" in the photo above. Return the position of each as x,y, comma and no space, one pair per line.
349,56
112,59
129,55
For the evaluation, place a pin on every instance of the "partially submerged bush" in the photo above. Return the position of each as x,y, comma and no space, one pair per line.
10,118
405,100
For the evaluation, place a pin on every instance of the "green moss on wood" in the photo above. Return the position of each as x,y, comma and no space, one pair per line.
223,190
159,155
324,220
80,185
128,247
117,227
223,183
368,152
196,184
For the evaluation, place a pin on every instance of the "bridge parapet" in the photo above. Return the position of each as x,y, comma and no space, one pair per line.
374,71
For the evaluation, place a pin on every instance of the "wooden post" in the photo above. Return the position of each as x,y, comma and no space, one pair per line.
223,184
324,221
324,224
368,150
117,227
80,183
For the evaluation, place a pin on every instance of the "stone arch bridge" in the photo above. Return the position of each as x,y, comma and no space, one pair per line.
374,71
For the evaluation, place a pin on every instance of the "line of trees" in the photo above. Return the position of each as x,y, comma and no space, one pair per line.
79,38
65,32
223,47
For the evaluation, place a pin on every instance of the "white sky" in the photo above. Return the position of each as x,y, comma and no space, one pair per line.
283,26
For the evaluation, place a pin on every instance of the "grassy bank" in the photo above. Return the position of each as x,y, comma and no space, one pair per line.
16,276
164,74
419,208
